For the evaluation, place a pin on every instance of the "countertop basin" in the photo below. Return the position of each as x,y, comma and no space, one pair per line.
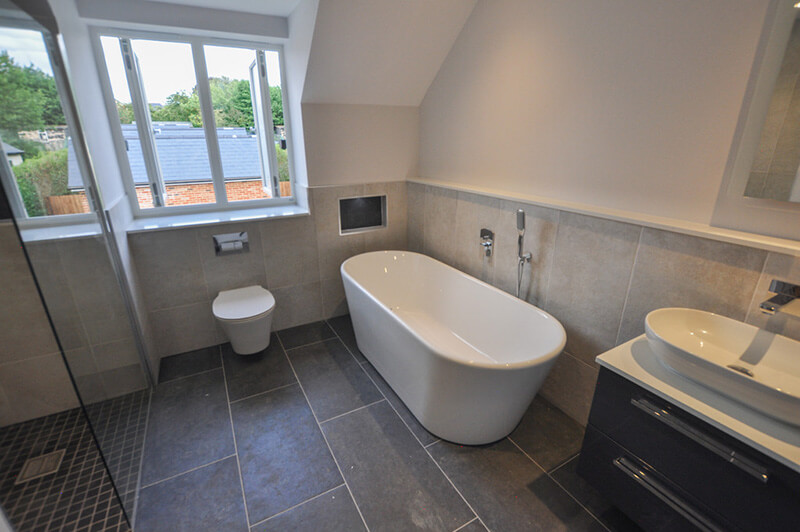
753,366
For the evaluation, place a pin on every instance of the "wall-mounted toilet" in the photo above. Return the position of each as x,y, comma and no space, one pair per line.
246,317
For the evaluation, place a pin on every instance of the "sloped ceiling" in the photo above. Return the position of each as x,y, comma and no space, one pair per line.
384,52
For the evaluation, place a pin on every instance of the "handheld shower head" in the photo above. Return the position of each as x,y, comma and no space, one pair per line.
521,221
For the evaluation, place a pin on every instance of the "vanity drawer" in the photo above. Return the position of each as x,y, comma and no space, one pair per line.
641,493
723,474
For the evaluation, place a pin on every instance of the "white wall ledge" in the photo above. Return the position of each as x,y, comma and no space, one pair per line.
768,243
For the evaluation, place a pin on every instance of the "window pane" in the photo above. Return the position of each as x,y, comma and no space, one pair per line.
34,132
122,99
169,83
236,112
276,101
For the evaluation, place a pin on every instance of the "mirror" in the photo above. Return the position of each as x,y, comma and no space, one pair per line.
775,173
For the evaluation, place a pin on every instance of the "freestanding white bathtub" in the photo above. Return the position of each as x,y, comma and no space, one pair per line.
466,358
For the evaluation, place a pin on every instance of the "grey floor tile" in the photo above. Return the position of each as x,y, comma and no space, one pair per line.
305,334
185,364
610,515
419,431
474,526
508,491
548,435
333,512
209,498
256,373
332,379
283,456
343,326
394,481
189,426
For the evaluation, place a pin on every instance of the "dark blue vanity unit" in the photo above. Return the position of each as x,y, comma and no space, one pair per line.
674,456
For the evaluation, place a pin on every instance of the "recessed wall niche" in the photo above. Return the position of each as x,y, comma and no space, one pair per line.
361,214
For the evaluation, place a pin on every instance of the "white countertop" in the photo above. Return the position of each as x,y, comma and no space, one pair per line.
635,361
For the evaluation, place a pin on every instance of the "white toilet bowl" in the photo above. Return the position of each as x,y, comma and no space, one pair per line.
245,315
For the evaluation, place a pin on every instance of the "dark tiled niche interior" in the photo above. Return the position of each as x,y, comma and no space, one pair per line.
307,436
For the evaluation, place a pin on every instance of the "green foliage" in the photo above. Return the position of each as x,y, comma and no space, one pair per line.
283,163
31,148
40,177
125,112
180,107
28,97
276,101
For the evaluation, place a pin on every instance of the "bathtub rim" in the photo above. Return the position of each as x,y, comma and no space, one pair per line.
538,360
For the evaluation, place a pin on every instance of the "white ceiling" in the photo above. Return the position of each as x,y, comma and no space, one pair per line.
279,8
384,52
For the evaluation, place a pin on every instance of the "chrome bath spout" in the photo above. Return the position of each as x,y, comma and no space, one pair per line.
522,258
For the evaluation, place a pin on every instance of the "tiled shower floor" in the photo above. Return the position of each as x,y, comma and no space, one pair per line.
307,436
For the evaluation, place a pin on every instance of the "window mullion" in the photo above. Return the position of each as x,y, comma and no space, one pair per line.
144,124
269,128
209,123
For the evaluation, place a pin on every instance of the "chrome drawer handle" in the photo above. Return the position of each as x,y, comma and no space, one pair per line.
744,463
665,495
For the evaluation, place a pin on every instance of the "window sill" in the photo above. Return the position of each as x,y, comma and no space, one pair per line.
176,221
59,232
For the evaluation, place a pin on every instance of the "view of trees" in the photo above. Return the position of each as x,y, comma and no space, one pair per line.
29,102
230,98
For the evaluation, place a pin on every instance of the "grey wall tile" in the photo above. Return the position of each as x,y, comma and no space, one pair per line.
416,216
541,225
116,354
81,361
238,270
570,387
334,302
169,268
591,270
473,213
783,268
180,329
395,235
439,231
295,305
674,270
289,248
333,247
25,332
36,387
124,380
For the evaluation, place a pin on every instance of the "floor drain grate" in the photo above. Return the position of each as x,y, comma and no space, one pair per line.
40,466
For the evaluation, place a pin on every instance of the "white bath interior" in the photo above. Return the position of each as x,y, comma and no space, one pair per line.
466,358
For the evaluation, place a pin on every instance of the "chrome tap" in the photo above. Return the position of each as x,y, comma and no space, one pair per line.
487,241
522,258
786,293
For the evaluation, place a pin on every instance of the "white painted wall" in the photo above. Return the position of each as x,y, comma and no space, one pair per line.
347,144
380,53
629,104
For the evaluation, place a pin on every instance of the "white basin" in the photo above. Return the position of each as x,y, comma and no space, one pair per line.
748,364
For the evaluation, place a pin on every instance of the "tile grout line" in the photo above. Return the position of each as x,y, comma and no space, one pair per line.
466,524
141,459
325,438
317,496
282,386
353,410
454,486
628,288
315,342
192,470
431,444
563,463
176,379
565,490
233,434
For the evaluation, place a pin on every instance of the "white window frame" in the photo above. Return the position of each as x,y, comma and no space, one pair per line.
207,112
733,209
7,176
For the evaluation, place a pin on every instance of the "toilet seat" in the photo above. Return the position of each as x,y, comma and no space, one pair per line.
243,304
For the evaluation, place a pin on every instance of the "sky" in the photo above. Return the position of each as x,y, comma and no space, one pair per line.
26,47
167,67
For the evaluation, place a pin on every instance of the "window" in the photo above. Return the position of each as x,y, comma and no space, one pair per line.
38,166
201,121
